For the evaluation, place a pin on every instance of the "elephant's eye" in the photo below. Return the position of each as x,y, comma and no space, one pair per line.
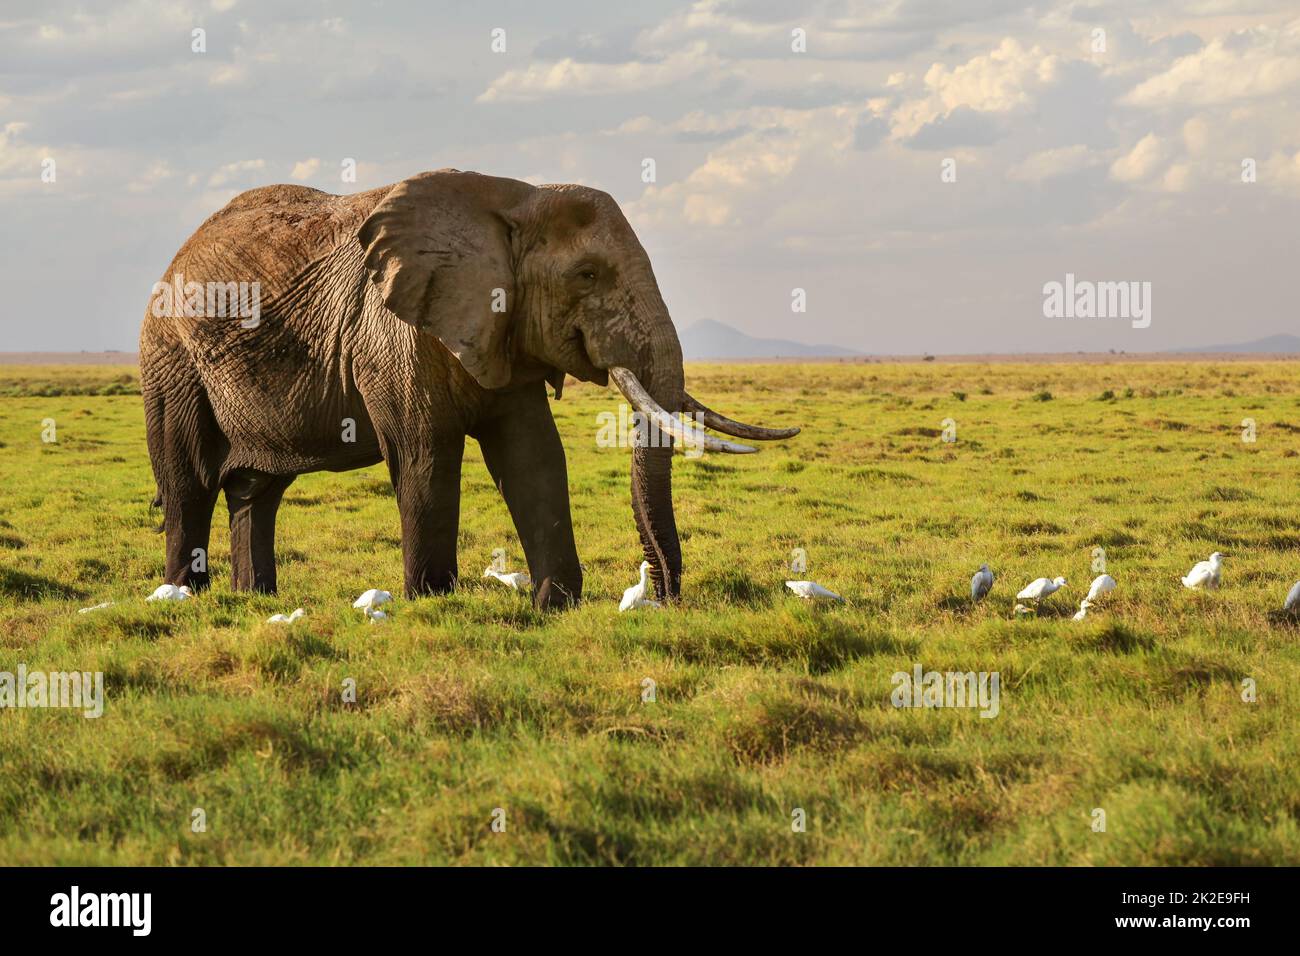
584,276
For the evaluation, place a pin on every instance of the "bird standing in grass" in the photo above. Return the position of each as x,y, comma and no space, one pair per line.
1102,584
1041,588
981,584
170,592
371,599
634,597
812,591
1206,574
285,618
1084,605
1292,605
515,580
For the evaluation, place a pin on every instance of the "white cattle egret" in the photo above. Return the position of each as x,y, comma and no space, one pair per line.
981,584
1083,609
98,607
1100,586
372,599
1206,574
515,580
285,618
1292,605
1022,611
812,591
170,592
634,596
1041,588
374,615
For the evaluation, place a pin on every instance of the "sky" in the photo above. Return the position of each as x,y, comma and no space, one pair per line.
920,170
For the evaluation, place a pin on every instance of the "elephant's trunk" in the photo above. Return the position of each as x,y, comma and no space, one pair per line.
652,506
651,475
651,458
660,396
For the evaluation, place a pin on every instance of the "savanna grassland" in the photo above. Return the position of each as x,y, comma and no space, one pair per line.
474,702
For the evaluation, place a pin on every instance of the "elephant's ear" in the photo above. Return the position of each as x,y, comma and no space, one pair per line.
438,249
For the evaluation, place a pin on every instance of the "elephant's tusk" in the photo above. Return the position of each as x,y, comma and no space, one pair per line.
729,426
692,436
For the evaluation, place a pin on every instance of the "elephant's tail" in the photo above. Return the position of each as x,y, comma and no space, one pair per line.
158,503
153,424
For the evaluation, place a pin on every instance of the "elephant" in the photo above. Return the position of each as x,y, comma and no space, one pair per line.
389,325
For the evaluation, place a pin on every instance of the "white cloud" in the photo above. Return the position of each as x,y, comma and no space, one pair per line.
15,155
1196,134
861,30
305,169
742,179
1138,164
1177,179
229,74
999,81
1249,64
155,173
232,172
1050,163
1283,171
574,78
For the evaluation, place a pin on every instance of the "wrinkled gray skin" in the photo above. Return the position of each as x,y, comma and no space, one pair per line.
378,307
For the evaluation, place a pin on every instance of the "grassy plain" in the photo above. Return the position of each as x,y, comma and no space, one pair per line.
474,702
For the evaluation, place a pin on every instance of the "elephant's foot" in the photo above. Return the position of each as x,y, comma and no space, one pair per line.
245,582
552,594
430,583
196,581
187,524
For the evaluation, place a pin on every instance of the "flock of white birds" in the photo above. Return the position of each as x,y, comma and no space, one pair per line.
1205,574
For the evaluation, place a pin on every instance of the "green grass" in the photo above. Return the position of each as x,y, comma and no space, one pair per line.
475,701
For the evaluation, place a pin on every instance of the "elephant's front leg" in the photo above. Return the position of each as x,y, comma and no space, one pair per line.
524,455
427,484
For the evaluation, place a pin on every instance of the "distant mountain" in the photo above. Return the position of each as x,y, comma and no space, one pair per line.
1271,344
707,339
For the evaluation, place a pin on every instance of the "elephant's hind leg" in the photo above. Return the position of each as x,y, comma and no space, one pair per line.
253,498
186,447
187,521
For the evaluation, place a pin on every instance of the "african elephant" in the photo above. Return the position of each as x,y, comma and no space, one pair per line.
389,325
